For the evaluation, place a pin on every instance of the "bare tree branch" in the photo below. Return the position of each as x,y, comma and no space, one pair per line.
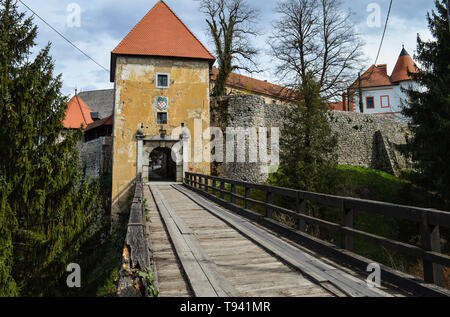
232,24
316,37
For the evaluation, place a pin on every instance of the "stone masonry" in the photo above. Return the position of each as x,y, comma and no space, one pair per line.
96,157
363,140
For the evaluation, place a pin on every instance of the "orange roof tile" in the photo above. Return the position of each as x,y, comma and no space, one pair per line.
404,63
255,85
162,33
99,123
78,113
373,77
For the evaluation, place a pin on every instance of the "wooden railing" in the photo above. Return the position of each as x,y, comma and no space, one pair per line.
430,220
136,255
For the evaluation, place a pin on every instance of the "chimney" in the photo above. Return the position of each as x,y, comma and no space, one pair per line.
344,102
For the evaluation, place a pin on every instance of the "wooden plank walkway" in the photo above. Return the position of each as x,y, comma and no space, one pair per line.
171,280
201,249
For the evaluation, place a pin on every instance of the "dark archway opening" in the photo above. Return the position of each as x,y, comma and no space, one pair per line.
162,166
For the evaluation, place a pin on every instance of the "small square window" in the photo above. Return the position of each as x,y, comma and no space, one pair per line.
162,81
370,102
162,118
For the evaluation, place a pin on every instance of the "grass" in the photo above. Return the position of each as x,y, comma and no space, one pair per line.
366,183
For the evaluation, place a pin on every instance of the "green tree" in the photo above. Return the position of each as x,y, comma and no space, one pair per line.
429,107
48,209
307,143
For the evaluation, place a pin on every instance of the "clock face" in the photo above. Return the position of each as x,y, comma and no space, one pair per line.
162,103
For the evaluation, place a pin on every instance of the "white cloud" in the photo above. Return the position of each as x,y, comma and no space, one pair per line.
401,31
104,22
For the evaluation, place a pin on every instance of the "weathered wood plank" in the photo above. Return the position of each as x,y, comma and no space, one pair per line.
200,270
295,257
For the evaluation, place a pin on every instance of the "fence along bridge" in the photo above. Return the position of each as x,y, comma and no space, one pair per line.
204,240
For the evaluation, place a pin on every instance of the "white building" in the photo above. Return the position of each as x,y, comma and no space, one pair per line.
383,94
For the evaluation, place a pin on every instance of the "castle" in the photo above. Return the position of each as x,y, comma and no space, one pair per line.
162,77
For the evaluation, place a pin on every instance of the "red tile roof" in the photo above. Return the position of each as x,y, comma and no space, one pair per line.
162,33
99,123
255,85
377,75
404,63
78,113
373,77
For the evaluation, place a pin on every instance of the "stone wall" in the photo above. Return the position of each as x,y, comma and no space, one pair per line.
363,140
96,157
370,140
242,111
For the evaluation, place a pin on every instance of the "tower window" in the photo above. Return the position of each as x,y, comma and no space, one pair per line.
162,80
162,118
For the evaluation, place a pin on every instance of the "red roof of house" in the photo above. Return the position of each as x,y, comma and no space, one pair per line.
255,85
162,33
78,113
377,75
404,63
99,123
373,77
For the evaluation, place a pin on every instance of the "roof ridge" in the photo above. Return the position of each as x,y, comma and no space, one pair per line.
81,110
175,15
135,26
185,26
86,91
260,80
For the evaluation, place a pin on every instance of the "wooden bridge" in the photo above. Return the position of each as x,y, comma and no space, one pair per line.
204,239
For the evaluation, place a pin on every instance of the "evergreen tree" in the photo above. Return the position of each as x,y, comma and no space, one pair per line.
429,108
48,210
307,143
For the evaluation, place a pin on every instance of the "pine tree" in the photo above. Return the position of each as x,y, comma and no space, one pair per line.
307,143
48,210
429,108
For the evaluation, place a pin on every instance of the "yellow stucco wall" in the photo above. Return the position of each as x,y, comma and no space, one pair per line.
135,104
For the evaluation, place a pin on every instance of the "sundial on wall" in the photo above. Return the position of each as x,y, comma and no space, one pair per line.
162,103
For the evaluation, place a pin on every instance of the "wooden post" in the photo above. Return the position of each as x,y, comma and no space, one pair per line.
247,196
233,192
431,241
269,200
222,188
346,221
300,206
214,187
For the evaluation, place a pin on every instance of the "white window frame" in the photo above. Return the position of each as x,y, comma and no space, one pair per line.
388,101
168,81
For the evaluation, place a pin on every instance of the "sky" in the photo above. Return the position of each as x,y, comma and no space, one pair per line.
102,24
